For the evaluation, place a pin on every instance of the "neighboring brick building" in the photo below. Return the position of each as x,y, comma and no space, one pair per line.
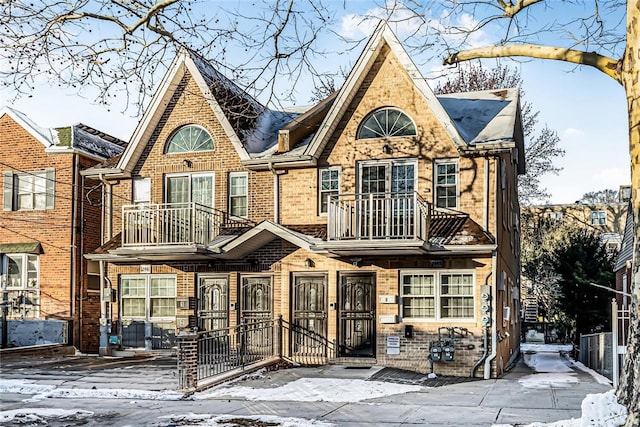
50,217
379,217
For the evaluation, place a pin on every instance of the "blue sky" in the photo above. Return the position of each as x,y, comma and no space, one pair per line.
585,107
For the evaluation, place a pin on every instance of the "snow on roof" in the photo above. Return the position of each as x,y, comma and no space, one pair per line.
44,134
256,125
87,139
484,116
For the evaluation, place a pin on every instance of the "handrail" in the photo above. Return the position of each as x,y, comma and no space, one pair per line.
378,216
160,224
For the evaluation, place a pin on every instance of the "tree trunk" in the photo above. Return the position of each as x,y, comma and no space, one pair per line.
629,388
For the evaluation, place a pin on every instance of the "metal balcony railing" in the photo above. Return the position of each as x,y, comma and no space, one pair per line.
173,224
378,216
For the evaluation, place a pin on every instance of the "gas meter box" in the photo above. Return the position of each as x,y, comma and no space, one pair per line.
436,354
448,353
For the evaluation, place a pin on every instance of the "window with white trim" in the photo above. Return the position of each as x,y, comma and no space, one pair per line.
238,190
385,123
328,185
148,297
142,190
189,138
23,285
29,190
437,295
598,218
446,184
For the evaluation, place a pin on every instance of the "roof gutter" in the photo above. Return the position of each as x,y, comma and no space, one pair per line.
471,249
73,150
286,162
104,173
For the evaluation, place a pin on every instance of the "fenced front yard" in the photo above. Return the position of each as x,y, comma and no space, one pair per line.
209,357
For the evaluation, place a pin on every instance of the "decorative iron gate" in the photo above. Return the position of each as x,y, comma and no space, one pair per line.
308,313
255,305
213,303
356,326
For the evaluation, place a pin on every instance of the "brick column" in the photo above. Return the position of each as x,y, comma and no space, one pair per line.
187,361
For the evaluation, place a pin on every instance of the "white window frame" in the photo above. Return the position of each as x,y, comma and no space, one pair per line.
231,197
437,295
191,176
439,162
141,185
19,292
388,164
599,217
330,192
148,297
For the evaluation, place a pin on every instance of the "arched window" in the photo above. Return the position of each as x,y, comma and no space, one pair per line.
385,123
189,138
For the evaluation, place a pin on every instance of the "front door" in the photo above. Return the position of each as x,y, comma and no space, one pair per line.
356,315
213,303
256,313
309,315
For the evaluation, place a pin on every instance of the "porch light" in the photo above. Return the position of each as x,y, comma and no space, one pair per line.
386,149
187,163
309,263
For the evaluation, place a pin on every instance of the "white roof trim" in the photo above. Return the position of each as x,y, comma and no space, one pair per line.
277,230
233,137
152,115
382,34
160,100
41,134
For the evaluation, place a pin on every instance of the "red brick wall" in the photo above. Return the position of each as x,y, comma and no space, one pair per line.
21,152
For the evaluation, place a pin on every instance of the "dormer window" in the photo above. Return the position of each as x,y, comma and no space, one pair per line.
188,139
386,123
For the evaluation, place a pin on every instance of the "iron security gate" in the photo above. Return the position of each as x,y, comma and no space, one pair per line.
213,303
309,313
356,334
256,305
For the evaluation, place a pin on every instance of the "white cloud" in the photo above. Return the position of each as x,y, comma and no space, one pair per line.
572,133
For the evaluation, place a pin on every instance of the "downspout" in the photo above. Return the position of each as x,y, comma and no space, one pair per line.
74,250
276,192
494,324
104,328
485,199
81,259
485,338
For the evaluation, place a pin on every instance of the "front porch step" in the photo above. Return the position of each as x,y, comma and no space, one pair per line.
356,362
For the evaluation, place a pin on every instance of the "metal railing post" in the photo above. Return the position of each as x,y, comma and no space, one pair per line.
279,337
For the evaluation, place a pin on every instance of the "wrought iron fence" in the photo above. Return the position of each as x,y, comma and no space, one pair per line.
254,341
596,352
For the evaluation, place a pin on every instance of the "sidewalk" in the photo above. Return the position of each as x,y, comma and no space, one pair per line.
332,394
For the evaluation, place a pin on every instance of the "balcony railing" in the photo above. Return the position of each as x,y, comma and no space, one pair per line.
173,224
378,216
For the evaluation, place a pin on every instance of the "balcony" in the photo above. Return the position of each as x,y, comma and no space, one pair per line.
174,224
378,224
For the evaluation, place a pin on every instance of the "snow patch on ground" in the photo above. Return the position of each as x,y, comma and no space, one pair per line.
545,348
549,380
316,390
203,420
40,391
601,379
598,410
38,416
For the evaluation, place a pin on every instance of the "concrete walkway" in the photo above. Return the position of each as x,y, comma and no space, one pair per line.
519,398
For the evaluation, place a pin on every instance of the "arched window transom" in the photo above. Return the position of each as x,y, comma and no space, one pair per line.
385,123
190,138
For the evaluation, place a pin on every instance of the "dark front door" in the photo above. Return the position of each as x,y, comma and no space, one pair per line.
309,314
356,315
213,303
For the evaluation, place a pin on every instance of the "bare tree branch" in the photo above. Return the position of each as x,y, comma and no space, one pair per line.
605,64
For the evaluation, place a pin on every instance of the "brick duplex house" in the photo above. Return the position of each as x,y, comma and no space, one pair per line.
378,218
49,217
